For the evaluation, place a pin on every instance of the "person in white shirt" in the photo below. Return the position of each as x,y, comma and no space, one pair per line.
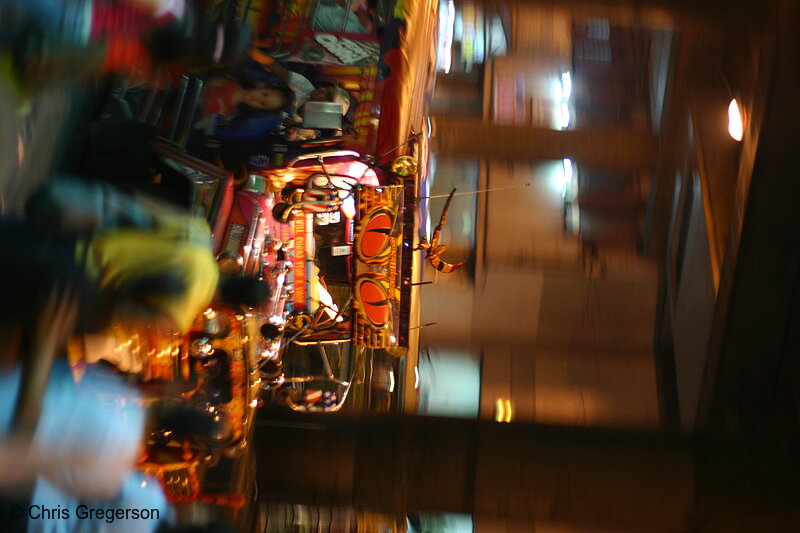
81,456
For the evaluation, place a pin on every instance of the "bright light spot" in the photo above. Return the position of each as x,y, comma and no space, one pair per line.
566,85
500,410
253,403
564,178
209,313
504,411
391,381
564,115
392,339
416,377
735,123
447,20
567,171
143,484
556,90
428,224
349,207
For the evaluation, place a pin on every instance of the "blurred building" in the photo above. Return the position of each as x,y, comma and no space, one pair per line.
552,318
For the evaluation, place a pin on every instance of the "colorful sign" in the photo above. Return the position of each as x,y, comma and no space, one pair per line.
509,99
299,265
378,249
281,23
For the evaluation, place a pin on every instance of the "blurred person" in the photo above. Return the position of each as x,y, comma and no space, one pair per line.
58,39
84,450
146,262
123,28
139,260
236,292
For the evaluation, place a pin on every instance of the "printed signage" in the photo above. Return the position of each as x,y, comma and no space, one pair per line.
378,247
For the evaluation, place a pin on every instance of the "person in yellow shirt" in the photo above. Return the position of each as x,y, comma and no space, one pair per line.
166,272
136,259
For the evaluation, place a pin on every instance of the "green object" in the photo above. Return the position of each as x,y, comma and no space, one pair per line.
398,9
22,92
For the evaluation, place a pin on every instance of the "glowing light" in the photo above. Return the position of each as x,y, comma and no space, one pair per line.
349,207
209,313
143,484
416,377
564,115
566,85
254,404
735,122
391,381
447,20
392,339
503,410
568,173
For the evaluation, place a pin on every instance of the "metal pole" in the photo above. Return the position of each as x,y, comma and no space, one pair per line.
479,191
